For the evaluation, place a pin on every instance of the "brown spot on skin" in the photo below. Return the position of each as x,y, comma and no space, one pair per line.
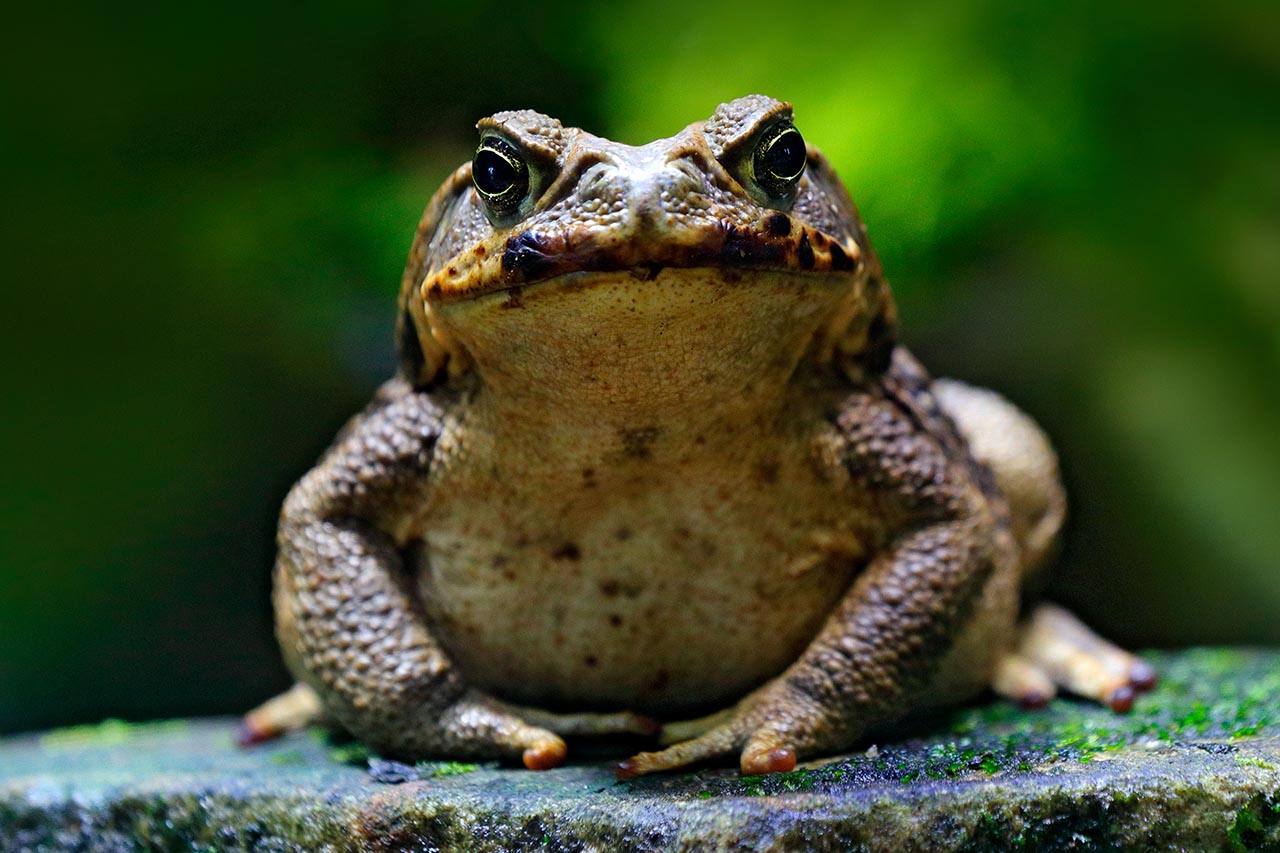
610,589
638,442
480,251
434,289
453,272
500,562
778,224
660,681
591,661
615,620
767,472
819,239
567,551
804,252
839,259
513,299
622,534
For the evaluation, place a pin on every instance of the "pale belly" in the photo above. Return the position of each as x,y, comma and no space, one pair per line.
666,593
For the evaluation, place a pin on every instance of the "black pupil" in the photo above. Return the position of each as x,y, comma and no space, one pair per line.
785,157
494,174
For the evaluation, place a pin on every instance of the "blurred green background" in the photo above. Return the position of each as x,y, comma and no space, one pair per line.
206,212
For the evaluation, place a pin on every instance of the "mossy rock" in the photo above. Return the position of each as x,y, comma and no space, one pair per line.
1195,766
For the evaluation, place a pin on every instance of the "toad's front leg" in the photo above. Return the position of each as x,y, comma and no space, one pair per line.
882,648
866,667
349,622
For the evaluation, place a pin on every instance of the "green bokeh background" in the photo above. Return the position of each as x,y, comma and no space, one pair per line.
206,212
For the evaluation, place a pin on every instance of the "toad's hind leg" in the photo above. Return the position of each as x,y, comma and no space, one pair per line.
1053,649
1018,452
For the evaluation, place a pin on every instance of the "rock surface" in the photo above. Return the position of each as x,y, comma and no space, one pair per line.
1195,766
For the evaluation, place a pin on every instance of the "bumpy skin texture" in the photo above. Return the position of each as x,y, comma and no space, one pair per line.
347,612
654,451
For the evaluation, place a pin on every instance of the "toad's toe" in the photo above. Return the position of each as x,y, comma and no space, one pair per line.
1058,650
545,754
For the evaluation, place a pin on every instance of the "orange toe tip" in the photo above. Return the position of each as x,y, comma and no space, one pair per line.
545,754
777,760
1121,699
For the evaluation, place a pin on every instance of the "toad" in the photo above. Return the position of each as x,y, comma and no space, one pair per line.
654,461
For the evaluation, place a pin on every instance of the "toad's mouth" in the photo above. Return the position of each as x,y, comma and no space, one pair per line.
534,256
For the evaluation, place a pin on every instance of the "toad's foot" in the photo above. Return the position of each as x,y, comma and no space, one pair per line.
719,744
758,730
760,748
689,742
1056,650
532,739
300,706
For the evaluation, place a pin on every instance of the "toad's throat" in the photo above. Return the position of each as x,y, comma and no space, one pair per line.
607,349
533,256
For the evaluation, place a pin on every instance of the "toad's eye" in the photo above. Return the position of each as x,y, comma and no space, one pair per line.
779,159
500,174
